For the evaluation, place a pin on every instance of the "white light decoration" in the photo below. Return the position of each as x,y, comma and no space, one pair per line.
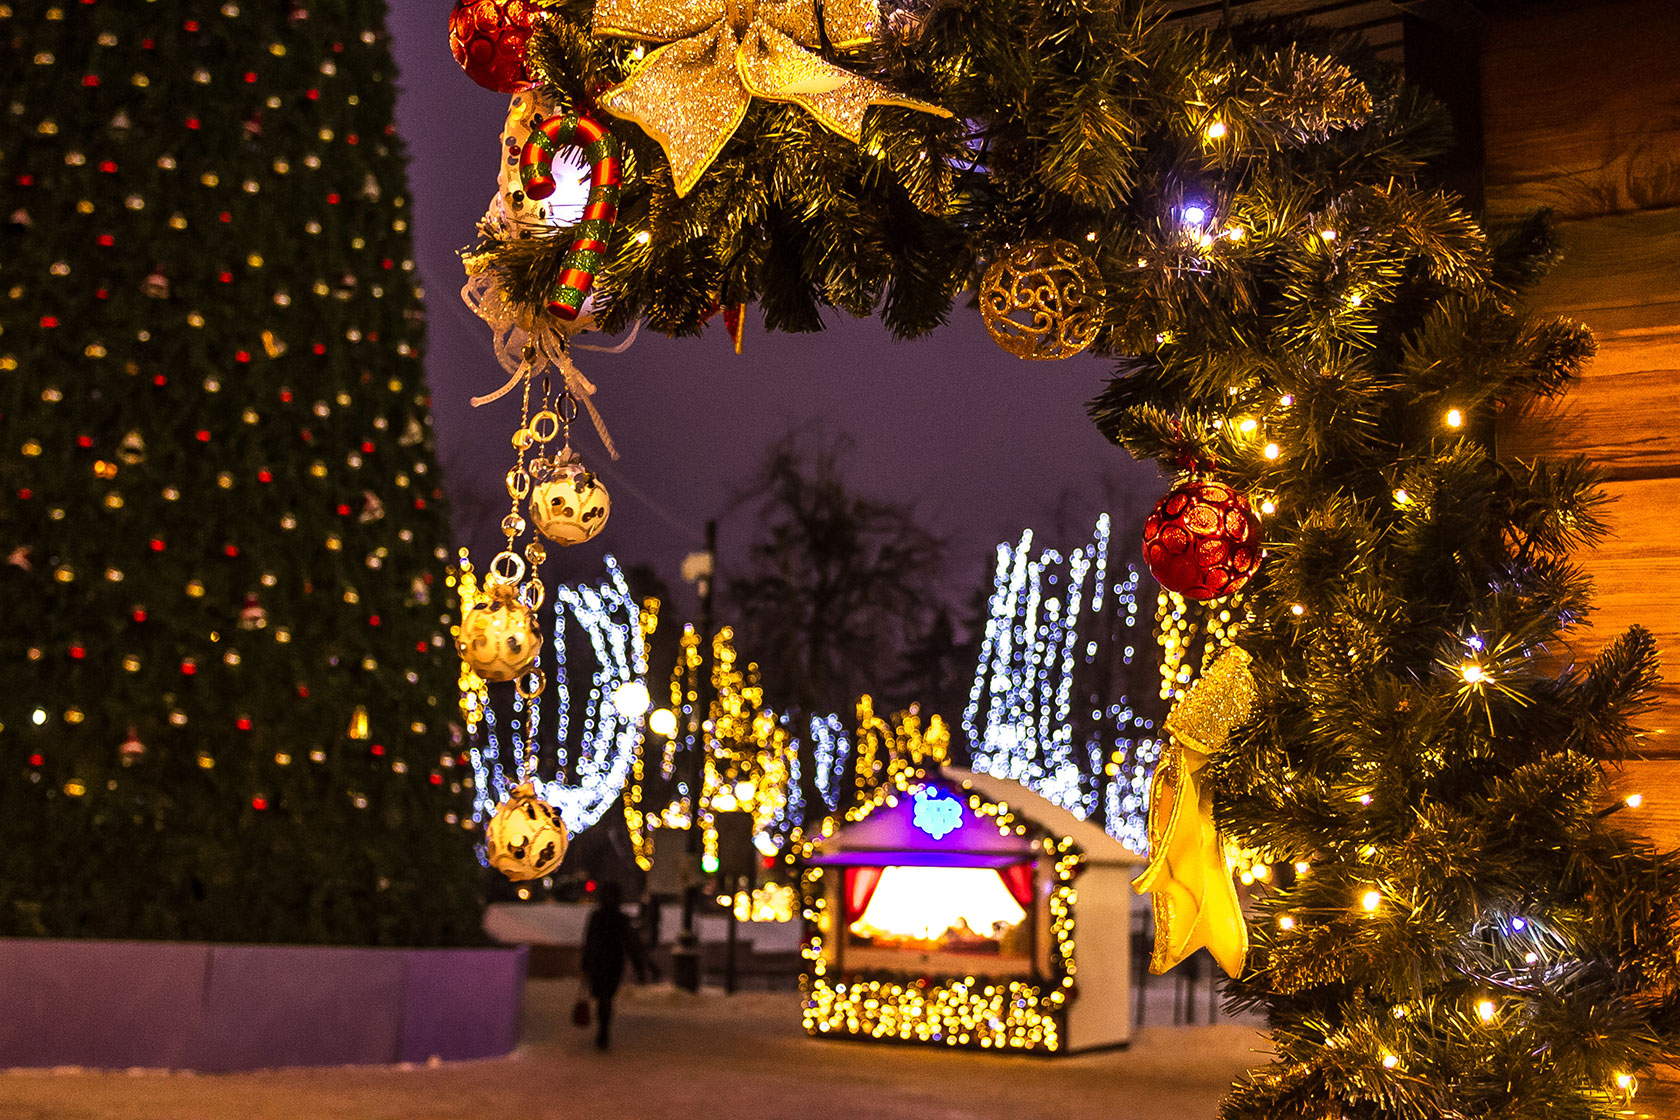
609,615
1046,708
631,699
831,750
580,775
792,815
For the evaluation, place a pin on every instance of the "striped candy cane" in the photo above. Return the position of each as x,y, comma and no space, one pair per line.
536,172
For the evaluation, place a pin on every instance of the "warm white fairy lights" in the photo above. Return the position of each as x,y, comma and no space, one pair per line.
1191,634
989,1013
750,760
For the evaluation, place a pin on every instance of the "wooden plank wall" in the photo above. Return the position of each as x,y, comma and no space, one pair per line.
1377,20
1581,114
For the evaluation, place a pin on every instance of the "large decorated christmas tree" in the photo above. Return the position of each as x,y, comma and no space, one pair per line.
228,683
1319,339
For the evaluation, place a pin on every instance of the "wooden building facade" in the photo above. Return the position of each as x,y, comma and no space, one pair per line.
1581,114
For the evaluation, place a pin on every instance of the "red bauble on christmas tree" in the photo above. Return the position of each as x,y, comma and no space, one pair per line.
1202,540
488,38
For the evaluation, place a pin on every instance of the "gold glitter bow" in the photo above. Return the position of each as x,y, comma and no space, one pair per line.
691,94
1187,879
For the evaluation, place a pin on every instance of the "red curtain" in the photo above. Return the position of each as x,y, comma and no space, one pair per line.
860,888
1018,877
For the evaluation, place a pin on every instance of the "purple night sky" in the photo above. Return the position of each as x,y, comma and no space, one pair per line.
982,444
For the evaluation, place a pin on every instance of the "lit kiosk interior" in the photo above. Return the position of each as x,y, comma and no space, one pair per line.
965,910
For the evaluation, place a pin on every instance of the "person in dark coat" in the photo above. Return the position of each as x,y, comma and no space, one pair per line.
647,922
609,942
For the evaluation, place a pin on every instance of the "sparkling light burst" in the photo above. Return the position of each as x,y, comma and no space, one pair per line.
580,779
1043,709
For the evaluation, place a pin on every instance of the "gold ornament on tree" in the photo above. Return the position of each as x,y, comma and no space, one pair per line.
1187,879
692,93
132,449
1042,301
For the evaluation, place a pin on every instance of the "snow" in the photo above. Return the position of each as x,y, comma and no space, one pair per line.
561,923
684,1057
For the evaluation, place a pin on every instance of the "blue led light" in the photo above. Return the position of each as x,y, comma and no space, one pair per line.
936,812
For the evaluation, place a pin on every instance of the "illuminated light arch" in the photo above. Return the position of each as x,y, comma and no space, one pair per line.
583,777
1043,709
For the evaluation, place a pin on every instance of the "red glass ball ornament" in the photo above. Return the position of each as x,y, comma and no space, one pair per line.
488,38
1202,540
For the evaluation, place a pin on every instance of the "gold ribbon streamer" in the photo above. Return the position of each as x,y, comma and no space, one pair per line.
691,94
548,338
1187,879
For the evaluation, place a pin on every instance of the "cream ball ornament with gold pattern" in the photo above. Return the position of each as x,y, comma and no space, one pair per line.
526,839
499,639
568,503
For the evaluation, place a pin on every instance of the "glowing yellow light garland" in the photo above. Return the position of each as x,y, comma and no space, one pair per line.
962,1011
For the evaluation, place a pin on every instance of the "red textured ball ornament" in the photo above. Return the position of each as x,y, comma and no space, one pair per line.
1202,540
488,38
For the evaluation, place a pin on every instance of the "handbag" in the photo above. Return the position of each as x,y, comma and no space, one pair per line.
580,1011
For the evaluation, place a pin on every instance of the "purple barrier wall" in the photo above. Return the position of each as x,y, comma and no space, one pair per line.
121,1004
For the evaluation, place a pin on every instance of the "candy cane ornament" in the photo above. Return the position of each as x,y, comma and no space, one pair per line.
536,173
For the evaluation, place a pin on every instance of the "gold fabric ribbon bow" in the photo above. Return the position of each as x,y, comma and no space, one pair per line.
691,94
1187,879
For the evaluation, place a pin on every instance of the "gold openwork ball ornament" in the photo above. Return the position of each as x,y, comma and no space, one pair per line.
526,839
569,505
1042,301
499,638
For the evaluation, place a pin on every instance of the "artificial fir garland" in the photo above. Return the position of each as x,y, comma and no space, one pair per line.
1456,928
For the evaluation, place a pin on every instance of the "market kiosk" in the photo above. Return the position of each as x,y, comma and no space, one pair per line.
963,909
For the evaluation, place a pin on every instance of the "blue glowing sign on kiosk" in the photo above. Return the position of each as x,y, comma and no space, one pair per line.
936,812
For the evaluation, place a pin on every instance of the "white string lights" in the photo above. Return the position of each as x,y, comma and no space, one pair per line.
832,751
580,778
1049,707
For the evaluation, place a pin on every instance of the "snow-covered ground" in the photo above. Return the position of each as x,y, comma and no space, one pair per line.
682,1057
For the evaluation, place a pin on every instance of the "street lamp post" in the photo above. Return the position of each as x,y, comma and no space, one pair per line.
685,958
